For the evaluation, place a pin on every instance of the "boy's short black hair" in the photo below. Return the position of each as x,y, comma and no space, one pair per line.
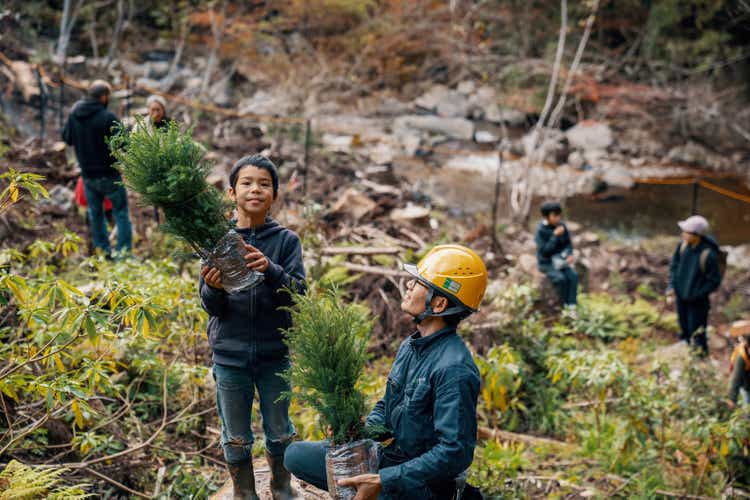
259,161
551,207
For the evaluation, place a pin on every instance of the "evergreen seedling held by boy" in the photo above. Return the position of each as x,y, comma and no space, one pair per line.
168,169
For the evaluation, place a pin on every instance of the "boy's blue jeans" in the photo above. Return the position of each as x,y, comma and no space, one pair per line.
565,281
235,390
108,187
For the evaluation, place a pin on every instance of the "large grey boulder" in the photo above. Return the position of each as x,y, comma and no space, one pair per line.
455,128
590,135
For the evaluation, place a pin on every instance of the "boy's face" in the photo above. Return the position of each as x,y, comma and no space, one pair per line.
554,218
690,238
253,192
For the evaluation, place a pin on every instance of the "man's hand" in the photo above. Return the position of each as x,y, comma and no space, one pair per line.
368,486
212,277
255,259
559,230
670,296
731,404
569,259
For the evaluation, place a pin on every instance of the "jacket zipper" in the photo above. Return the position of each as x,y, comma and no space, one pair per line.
252,309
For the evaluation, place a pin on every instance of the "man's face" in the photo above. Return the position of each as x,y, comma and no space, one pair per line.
413,301
554,218
690,238
253,192
155,112
104,100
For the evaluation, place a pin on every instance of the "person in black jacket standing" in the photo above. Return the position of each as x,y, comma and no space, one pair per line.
693,275
87,129
554,253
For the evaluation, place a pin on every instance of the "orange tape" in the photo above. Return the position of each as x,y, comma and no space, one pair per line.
725,192
708,185
674,181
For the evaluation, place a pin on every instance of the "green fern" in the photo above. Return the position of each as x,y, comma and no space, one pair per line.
21,482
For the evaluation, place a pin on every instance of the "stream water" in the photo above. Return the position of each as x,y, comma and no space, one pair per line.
645,211
652,209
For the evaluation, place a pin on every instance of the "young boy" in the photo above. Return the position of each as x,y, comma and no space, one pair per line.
554,253
429,407
245,331
693,275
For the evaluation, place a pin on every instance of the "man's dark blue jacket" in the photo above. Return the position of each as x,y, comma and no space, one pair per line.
246,326
430,408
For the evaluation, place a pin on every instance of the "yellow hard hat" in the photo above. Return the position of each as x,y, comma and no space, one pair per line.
740,328
455,271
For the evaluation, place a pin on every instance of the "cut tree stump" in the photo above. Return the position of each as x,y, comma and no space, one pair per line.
262,478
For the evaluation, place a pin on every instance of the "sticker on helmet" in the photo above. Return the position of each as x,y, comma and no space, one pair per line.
451,285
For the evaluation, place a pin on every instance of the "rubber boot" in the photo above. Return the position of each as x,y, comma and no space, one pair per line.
243,481
281,486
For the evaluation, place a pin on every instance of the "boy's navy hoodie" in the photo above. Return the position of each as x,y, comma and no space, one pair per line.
547,244
690,282
247,326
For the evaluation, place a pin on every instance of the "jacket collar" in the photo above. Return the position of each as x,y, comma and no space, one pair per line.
420,344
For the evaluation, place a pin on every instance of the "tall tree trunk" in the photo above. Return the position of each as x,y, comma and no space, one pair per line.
218,24
521,189
92,35
119,24
168,80
68,20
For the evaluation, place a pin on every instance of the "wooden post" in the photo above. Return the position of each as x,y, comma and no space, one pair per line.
694,208
61,97
127,95
308,141
496,200
42,104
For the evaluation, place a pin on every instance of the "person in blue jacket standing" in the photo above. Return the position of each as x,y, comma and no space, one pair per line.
693,275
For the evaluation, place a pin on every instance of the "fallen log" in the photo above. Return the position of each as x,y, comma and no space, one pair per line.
361,250
382,271
487,433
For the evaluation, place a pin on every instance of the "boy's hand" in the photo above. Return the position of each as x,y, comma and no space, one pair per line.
212,277
255,259
559,230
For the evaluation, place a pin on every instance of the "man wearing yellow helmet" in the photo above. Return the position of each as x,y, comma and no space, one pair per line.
429,406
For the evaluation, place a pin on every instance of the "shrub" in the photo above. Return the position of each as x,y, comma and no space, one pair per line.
502,372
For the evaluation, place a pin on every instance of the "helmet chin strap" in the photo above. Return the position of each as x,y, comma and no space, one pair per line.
456,309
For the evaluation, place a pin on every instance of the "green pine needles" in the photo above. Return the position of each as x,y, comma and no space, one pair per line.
328,344
168,169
